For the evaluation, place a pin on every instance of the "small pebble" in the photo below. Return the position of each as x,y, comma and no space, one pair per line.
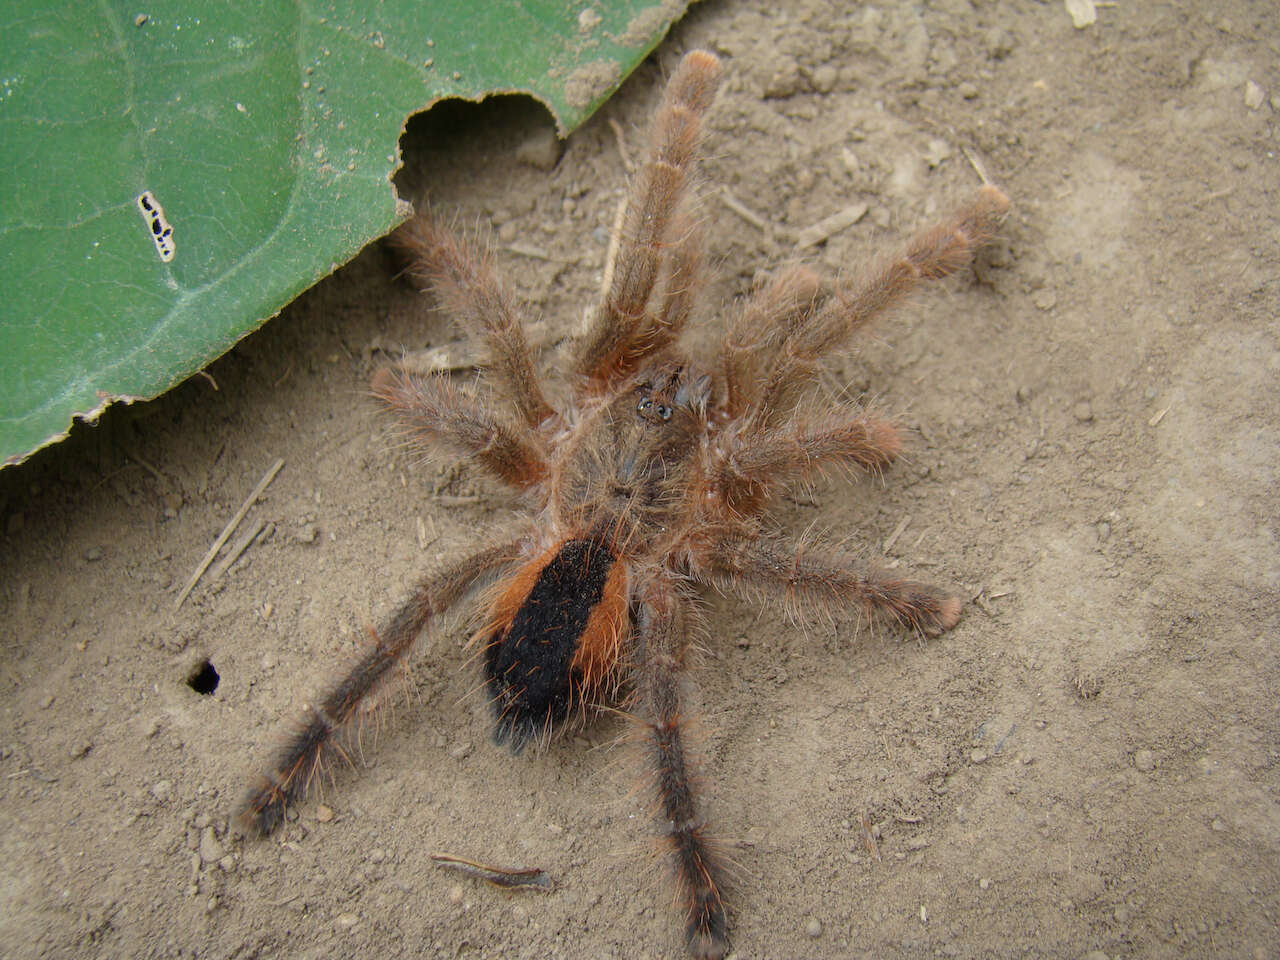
1082,411
999,43
824,78
813,928
461,751
1217,825
324,814
1104,531
985,883
227,864
785,81
455,894
210,849
307,533
47,702
1044,299
93,553
1254,95
540,150
161,789
79,749
377,855
978,756
936,152
968,90
1144,760
347,920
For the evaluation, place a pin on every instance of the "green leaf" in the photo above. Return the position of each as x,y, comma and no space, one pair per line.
263,136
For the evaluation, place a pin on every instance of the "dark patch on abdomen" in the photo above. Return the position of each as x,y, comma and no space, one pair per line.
528,669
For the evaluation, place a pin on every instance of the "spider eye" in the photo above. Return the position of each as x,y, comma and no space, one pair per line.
645,404
664,412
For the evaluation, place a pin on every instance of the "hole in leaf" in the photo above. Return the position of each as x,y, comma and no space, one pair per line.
204,679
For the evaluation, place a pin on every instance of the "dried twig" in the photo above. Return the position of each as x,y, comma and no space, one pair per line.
976,162
228,530
237,548
869,838
890,540
508,878
623,152
827,227
738,207
606,278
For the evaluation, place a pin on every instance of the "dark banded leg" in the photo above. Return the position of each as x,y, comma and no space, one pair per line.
662,633
304,754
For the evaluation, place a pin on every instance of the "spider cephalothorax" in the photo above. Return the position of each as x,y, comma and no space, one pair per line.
655,477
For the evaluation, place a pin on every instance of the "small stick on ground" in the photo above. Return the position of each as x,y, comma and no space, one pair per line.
745,212
890,540
228,530
979,167
606,278
828,227
455,500
506,877
164,481
869,838
623,152
237,548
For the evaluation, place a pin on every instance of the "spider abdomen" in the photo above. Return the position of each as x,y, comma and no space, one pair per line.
554,638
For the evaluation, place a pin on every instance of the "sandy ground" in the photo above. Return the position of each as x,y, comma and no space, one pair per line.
1087,766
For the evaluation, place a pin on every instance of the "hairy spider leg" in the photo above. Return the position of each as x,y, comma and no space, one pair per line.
735,561
815,333
623,331
464,283
304,754
434,412
662,631
751,471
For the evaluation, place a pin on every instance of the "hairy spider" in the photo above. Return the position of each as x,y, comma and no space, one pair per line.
655,478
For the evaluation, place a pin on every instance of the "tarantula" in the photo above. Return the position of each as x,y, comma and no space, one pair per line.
655,478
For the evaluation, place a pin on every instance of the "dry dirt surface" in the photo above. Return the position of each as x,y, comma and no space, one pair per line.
1087,766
